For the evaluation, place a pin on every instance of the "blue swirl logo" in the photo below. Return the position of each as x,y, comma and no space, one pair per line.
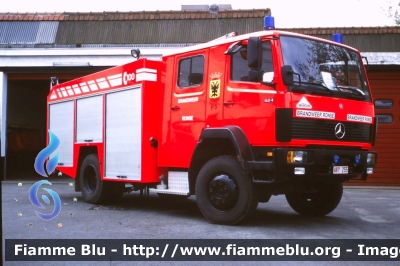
51,165
35,201
44,154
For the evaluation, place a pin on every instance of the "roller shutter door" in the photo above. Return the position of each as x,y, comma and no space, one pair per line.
385,85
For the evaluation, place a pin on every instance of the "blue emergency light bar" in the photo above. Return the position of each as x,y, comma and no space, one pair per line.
269,23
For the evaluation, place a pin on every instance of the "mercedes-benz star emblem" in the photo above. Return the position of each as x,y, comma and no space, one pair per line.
340,130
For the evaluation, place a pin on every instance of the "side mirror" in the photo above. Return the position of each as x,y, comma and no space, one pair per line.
254,53
254,58
287,75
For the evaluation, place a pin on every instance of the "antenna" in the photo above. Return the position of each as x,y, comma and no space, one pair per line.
214,9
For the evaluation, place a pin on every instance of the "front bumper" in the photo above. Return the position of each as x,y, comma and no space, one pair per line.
320,164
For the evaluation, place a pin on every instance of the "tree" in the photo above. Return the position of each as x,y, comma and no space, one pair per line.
394,13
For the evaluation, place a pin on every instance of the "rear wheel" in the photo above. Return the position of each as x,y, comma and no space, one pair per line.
319,203
224,192
95,190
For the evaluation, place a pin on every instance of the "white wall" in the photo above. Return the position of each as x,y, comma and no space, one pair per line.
52,57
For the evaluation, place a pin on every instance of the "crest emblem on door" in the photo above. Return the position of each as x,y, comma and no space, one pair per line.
215,88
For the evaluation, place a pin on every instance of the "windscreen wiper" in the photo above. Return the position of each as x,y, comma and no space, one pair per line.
351,89
303,89
320,85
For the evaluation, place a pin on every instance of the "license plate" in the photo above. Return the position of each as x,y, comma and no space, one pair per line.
338,170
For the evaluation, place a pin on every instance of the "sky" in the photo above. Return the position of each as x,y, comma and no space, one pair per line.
287,13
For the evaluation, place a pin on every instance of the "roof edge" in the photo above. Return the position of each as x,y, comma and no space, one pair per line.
132,15
346,30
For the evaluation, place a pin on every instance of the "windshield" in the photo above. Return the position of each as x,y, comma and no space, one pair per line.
325,68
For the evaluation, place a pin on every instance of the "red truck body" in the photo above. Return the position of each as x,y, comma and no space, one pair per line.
296,118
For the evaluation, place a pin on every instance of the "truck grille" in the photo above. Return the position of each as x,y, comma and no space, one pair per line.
325,130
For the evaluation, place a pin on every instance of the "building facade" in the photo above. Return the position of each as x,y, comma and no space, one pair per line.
35,47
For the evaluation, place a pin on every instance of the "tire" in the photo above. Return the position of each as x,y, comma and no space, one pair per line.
224,192
316,204
94,190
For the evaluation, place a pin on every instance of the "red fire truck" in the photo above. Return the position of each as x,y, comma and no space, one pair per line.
232,121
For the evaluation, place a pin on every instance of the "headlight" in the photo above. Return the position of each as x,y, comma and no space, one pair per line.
371,158
296,157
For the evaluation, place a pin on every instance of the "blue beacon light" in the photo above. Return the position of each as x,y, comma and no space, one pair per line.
337,37
269,23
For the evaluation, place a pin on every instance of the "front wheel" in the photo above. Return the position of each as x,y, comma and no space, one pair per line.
319,203
224,192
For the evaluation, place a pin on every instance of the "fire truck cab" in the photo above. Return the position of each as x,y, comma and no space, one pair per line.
232,121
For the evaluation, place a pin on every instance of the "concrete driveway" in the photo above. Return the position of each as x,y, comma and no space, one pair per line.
364,213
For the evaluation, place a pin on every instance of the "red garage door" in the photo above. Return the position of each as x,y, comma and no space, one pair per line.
385,85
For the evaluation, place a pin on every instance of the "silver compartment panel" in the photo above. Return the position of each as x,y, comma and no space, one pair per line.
123,134
89,116
62,124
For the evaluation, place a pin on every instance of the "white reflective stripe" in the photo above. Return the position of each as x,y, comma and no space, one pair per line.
64,93
148,70
103,84
53,95
115,76
251,90
92,85
188,94
115,80
84,87
69,90
76,89
146,76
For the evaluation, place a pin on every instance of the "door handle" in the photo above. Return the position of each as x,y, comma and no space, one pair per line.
229,103
174,108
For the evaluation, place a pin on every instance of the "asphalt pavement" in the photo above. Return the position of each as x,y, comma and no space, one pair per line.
364,213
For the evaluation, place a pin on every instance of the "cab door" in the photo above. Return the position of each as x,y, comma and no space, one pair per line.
187,106
250,104
216,81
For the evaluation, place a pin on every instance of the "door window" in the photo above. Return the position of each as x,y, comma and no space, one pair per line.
191,72
239,67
